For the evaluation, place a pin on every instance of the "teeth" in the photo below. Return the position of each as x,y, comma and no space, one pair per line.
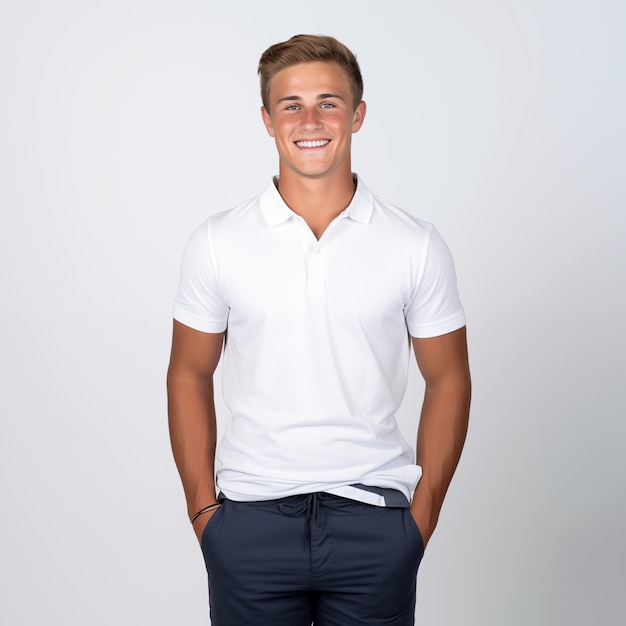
312,144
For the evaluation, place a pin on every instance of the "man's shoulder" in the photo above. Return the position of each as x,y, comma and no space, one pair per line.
234,215
234,229
235,220
399,221
391,215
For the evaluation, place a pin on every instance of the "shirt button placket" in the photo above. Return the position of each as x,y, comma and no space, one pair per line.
317,272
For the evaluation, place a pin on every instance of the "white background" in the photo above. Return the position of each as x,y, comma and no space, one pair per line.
123,124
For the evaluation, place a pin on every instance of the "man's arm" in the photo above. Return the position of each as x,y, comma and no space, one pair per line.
443,424
191,411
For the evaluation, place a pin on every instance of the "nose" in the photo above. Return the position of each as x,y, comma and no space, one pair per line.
311,119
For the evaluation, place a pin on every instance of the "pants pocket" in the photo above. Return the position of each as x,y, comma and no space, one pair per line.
413,528
214,521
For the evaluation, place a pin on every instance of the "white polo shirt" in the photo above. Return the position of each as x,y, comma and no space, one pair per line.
317,352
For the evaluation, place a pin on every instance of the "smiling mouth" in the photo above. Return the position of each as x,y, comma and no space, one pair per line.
312,144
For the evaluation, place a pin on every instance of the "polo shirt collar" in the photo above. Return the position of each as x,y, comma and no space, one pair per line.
275,210
362,205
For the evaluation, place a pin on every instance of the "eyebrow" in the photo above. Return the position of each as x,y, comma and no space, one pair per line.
322,96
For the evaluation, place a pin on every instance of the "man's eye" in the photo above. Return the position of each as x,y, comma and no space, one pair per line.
292,107
327,105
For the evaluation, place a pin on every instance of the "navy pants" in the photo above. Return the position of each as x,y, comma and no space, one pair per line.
314,558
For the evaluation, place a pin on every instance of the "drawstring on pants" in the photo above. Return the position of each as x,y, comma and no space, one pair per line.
306,504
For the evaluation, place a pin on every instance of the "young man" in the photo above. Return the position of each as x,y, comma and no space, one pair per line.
314,290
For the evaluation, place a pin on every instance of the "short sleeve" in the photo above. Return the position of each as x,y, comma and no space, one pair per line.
198,302
434,307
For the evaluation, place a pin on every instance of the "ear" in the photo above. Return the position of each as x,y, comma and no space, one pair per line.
267,120
358,116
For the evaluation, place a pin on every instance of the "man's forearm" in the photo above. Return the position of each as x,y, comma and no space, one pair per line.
441,435
193,434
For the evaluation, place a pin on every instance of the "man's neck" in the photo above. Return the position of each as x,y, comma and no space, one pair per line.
317,200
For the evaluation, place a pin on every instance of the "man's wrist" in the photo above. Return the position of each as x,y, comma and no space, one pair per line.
425,511
204,510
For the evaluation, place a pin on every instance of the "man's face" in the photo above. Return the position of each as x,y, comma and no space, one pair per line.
312,120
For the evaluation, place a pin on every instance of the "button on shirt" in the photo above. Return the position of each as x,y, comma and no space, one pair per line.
317,353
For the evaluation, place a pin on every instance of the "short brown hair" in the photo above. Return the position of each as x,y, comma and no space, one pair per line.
308,49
